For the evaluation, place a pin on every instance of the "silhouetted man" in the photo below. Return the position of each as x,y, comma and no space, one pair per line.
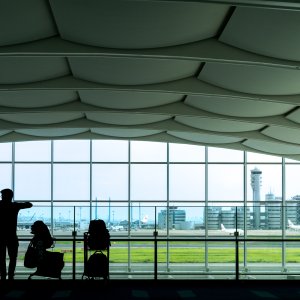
8,232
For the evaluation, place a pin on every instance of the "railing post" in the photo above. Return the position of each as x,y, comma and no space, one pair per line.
236,234
237,271
155,233
74,254
155,254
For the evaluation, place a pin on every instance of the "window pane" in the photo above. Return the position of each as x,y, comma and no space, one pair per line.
186,153
271,181
148,152
110,151
63,217
26,217
71,182
258,157
110,181
224,155
5,176
264,189
5,151
292,187
225,182
32,182
148,182
187,182
71,150
33,151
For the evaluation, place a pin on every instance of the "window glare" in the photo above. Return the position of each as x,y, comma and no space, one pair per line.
224,155
110,150
33,151
5,176
71,182
73,150
5,151
148,151
37,185
259,157
186,153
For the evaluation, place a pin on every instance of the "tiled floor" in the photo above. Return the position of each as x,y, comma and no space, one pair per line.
130,289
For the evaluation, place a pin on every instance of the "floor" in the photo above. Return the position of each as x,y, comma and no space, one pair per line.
147,289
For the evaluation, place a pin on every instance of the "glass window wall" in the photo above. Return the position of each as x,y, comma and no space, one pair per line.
210,199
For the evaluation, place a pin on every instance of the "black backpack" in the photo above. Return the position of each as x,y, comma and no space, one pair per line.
98,236
97,265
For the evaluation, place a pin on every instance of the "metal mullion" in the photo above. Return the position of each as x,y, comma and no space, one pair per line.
13,166
283,214
51,187
168,205
91,174
245,208
206,208
129,204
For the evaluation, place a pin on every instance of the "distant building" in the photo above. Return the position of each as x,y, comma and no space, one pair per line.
293,209
273,211
213,217
176,218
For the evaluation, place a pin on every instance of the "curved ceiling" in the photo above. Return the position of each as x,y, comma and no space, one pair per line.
215,72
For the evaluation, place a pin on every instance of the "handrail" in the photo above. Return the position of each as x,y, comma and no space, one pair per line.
156,239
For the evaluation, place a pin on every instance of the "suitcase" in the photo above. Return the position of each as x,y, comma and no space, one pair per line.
96,262
51,266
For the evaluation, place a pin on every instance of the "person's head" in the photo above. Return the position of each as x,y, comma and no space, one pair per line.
39,227
41,232
7,195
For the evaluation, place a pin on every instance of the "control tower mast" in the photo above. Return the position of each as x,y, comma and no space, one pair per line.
256,184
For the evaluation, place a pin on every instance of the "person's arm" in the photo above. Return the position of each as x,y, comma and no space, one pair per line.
22,205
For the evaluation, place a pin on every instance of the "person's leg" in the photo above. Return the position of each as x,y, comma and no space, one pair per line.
3,260
12,253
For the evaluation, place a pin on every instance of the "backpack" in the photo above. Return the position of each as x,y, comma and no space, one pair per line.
97,265
98,236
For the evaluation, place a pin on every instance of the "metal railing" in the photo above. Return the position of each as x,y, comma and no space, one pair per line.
224,271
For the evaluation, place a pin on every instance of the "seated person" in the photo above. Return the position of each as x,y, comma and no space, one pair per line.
42,238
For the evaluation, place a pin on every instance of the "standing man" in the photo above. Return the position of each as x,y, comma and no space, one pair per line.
8,232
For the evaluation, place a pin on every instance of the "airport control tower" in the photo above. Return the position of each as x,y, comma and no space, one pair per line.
256,184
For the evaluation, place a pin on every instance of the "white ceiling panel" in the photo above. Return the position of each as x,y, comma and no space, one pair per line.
36,99
269,32
25,21
273,147
218,125
52,133
15,70
252,79
136,24
283,134
127,100
204,138
124,133
41,118
125,118
237,106
131,71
